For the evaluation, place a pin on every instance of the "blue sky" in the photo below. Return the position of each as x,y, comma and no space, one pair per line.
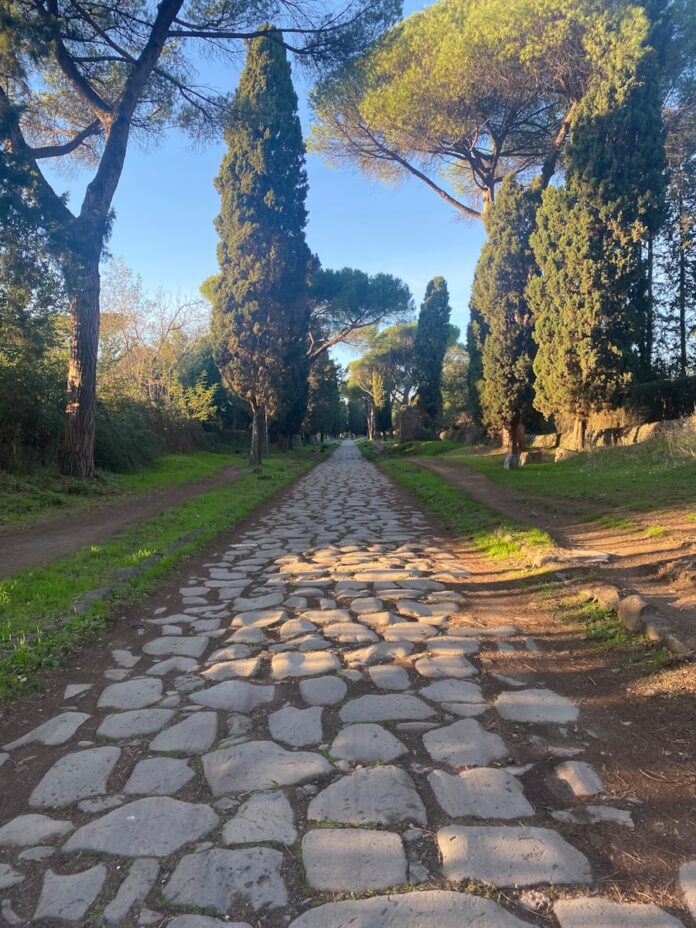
166,203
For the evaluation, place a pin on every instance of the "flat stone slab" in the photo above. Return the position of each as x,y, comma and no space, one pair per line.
687,881
158,776
177,645
9,876
303,664
260,618
390,707
223,881
75,776
140,880
153,827
429,909
172,665
230,670
464,744
443,666
194,735
367,743
296,727
260,765
382,651
134,723
263,817
131,694
293,628
355,860
581,778
444,645
323,691
55,731
510,856
266,601
485,792
68,898
408,631
31,829
326,616
389,677
350,633
601,913
203,921
384,795
452,691
235,695
536,705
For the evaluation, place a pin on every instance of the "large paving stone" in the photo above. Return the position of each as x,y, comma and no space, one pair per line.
382,651
355,860
231,670
304,664
158,776
536,705
140,880
430,909
510,856
68,898
131,694
235,695
263,817
153,827
484,792
55,731
135,722
172,665
194,735
687,881
464,744
31,829
260,765
225,881
75,776
580,778
385,708
443,666
452,691
177,646
367,743
384,795
389,677
601,913
296,727
267,601
9,876
349,633
203,921
323,691
408,632
259,618
326,616
451,645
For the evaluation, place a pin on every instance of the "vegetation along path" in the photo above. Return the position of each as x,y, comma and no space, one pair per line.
344,717
47,541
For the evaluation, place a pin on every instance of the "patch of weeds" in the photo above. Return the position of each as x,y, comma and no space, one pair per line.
619,522
602,626
655,531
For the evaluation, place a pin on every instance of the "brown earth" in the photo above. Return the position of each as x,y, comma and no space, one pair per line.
638,563
44,542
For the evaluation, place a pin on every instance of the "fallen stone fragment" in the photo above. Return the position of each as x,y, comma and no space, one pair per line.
134,723
296,727
435,908
323,691
75,776
137,693
55,731
263,817
153,827
42,852
140,880
194,735
9,876
536,705
25,830
385,708
75,689
68,898
235,695
223,881
687,881
260,765
464,744
158,776
185,646
354,860
367,743
580,777
601,913
510,856
484,792
384,795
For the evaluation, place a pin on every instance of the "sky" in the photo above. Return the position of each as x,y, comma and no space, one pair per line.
165,206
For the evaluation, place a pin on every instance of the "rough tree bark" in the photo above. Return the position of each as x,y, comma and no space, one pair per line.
257,423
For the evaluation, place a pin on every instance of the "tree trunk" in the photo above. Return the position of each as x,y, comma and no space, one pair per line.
83,292
650,311
263,430
580,433
371,423
255,450
681,297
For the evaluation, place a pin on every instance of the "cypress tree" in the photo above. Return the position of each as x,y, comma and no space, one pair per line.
260,310
429,348
499,299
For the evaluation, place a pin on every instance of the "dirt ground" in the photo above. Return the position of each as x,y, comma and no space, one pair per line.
36,545
637,562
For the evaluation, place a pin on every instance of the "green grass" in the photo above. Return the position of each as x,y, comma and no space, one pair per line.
26,497
490,534
34,602
639,478
618,522
655,531
602,626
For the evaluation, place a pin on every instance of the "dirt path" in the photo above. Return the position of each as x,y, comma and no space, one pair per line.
638,562
43,543
236,687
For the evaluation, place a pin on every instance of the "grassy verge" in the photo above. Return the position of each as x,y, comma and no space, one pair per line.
490,534
33,603
29,496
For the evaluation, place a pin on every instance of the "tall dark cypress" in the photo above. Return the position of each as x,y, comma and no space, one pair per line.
430,346
260,310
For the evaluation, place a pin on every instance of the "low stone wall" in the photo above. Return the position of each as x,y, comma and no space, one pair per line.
629,435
